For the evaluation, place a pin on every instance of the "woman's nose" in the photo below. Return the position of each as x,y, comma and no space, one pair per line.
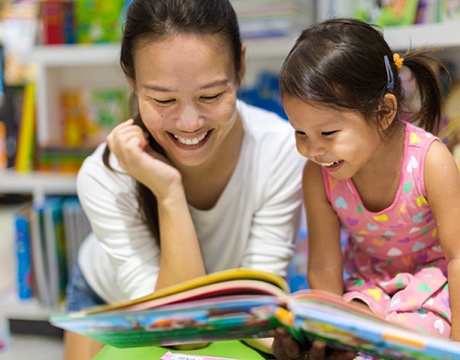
190,119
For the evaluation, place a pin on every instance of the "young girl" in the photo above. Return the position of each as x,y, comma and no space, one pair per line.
198,181
391,183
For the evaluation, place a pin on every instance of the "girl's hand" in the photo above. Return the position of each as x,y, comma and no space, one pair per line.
286,348
129,144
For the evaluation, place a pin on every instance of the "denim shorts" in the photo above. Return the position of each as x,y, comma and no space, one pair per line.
79,295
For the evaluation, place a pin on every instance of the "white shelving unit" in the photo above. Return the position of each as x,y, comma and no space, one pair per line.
95,66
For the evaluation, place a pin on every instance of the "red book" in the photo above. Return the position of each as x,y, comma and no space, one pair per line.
53,15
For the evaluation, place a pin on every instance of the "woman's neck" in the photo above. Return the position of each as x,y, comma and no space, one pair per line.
205,183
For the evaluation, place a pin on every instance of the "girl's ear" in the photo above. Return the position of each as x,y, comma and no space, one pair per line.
387,111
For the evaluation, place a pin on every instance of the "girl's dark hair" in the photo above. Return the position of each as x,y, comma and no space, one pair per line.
341,63
155,20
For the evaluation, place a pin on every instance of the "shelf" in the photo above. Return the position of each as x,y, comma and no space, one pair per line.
74,55
39,184
423,35
97,54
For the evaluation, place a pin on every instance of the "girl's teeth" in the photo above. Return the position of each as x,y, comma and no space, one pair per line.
330,164
190,141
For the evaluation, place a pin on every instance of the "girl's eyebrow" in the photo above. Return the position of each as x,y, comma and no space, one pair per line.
166,90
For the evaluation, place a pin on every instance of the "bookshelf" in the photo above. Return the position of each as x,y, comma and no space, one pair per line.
93,66
59,66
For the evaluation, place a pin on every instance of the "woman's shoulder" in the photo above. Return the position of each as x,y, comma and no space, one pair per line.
262,120
93,171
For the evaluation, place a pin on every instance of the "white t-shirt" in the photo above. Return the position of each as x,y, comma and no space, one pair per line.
253,224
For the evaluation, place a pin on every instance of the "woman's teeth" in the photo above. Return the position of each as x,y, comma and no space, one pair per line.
190,141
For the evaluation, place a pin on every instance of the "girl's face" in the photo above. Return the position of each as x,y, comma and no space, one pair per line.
186,87
341,142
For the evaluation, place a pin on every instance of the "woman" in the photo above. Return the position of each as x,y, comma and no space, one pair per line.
198,181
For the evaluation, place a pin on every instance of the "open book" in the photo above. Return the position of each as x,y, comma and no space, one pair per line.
246,304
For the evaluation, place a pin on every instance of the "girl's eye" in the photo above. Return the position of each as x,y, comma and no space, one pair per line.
328,133
211,98
299,132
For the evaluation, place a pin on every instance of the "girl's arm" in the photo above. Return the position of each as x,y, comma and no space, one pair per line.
442,183
324,249
180,256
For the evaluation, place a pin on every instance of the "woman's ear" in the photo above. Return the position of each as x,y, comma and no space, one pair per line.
131,83
387,111
242,71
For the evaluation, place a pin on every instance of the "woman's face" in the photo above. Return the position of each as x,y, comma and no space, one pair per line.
186,87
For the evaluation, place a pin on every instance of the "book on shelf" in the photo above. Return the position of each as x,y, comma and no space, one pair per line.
386,13
246,304
88,115
21,220
26,138
39,256
58,225
61,158
56,252
77,228
10,116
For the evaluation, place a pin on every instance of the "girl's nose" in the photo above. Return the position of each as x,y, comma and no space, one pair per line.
315,150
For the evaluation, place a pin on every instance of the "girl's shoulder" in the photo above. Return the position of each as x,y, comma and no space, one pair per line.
417,137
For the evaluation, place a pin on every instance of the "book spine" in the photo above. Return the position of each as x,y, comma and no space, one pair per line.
39,257
3,155
24,155
52,16
23,255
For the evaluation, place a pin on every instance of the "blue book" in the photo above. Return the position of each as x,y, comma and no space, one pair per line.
23,252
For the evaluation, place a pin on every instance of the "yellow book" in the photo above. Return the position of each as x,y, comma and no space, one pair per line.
26,137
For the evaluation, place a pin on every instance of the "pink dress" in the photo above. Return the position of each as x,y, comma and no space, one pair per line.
393,260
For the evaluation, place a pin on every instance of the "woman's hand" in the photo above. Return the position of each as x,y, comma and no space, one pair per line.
284,347
129,144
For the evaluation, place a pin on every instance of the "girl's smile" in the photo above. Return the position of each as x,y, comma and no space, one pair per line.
342,142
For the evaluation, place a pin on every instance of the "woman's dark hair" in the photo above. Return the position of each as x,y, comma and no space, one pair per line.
341,63
155,20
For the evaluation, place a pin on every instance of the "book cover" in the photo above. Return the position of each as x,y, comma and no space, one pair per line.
39,256
246,304
97,21
77,228
26,137
88,115
21,219
10,115
52,15
55,248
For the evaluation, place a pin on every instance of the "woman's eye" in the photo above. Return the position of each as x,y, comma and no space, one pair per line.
328,133
164,102
299,132
211,98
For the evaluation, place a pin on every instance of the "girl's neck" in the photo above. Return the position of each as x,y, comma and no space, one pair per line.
378,182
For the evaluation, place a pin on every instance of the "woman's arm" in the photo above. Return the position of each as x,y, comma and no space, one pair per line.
324,248
442,183
180,256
